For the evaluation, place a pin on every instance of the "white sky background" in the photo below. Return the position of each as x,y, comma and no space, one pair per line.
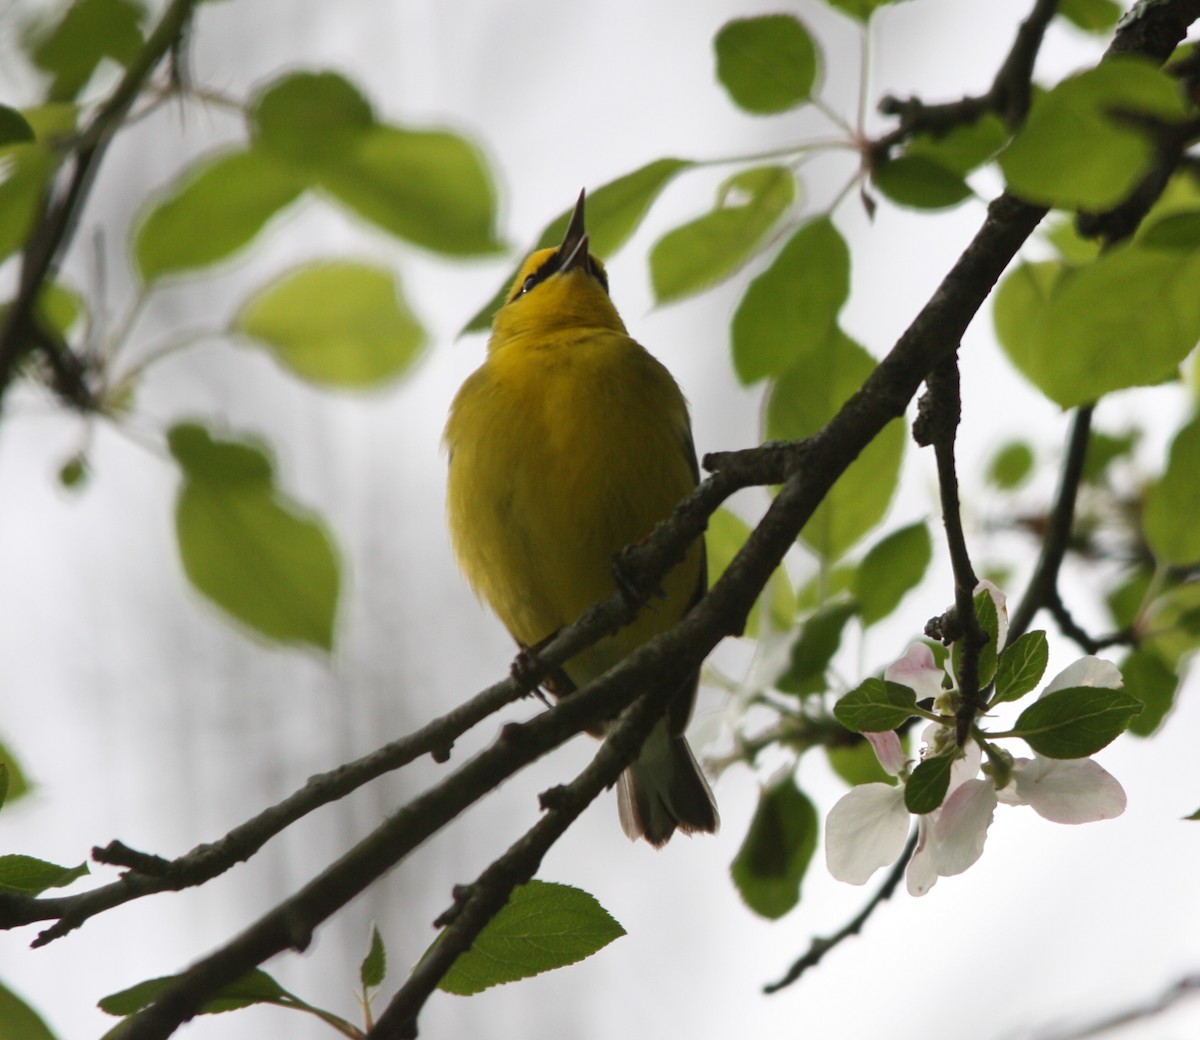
143,715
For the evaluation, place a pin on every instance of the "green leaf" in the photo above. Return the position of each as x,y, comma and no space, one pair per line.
964,148
710,248
3,783
257,987
1021,666
1076,722
1152,682
335,323
247,547
927,786
374,966
89,31
1070,245
860,9
725,536
18,1021
772,861
430,187
614,211
1091,15
768,63
1178,231
1104,449
1125,320
892,567
989,621
544,926
790,310
26,170
1194,816
820,637
1019,305
1173,503
920,183
14,128
26,875
18,784
1011,466
800,403
857,764
215,209
875,706
1080,147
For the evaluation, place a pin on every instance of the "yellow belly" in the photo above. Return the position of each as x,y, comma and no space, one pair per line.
563,453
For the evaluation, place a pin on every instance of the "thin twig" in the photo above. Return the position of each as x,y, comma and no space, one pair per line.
822,945
1188,986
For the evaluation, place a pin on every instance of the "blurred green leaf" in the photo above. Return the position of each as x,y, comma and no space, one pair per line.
18,783
927,786
614,211
770,865
875,706
1171,629
257,987
1091,15
725,536
1011,466
1071,246
920,183
214,209
800,403
857,764
29,876
18,1021
14,128
860,9
374,966
1179,231
247,547
1080,147
26,171
1104,449
708,249
1173,503
1128,319
890,569
767,63
1076,722
964,148
544,926
819,639
790,310
88,32
430,187
335,323
1149,679
1021,666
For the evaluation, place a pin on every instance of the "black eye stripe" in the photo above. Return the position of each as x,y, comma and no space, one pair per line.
551,265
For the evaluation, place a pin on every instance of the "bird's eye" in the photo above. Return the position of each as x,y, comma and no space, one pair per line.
529,283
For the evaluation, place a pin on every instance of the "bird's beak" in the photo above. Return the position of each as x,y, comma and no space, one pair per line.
574,248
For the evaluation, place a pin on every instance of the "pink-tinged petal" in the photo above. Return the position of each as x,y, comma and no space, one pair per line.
864,831
917,670
888,750
1001,602
961,826
922,874
1068,790
1087,671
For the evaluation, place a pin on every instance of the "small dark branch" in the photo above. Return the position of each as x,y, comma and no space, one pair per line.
937,424
148,874
1086,642
56,227
1008,96
1043,586
821,946
1188,986
475,905
1154,28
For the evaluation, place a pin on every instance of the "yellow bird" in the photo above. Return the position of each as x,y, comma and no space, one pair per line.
569,443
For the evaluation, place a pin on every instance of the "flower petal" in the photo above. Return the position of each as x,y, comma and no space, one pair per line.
917,670
888,750
922,873
961,826
1087,671
1066,790
864,831
1001,601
